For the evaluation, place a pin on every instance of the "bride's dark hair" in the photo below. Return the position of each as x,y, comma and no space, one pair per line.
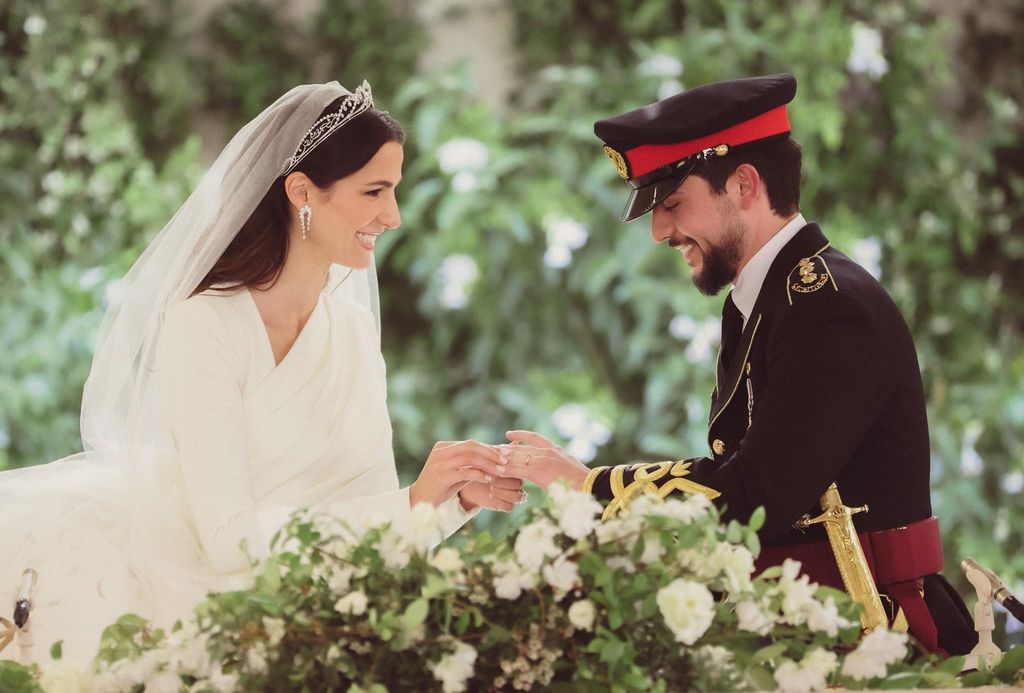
256,254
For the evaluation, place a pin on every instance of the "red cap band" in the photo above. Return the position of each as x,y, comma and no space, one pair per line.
647,157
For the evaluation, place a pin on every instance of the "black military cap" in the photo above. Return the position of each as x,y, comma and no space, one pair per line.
655,147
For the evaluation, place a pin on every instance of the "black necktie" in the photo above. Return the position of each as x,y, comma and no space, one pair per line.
732,328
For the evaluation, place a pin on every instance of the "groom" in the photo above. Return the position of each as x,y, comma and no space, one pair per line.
817,375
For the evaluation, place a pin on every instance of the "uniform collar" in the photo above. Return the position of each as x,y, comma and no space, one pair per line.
748,284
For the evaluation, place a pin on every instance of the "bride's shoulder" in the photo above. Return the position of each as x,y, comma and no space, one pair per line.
210,310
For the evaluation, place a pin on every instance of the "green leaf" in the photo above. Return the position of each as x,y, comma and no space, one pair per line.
767,654
57,649
415,614
904,679
757,518
612,651
1010,664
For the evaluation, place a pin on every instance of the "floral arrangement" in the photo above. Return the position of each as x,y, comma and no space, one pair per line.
659,598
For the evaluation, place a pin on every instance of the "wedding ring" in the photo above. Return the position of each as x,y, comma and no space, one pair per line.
529,456
522,496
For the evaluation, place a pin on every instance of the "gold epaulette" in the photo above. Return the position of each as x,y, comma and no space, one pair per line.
645,476
809,275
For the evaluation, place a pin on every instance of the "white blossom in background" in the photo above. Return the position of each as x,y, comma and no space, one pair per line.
453,670
256,658
708,335
447,560
275,629
578,513
458,274
669,87
811,674
1013,482
564,235
866,56
354,603
824,617
688,609
582,614
510,580
465,182
61,677
971,463
585,433
463,154
53,182
683,327
797,593
688,510
867,252
753,618
661,65
90,278
393,549
34,25
874,654
423,531
733,564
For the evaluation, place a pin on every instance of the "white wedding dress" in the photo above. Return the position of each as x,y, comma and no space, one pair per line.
244,442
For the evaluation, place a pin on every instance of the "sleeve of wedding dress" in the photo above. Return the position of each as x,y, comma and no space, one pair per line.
200,379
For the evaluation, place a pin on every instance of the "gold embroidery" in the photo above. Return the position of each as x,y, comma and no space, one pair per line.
620,163
588,482
645,474
807,275
804,262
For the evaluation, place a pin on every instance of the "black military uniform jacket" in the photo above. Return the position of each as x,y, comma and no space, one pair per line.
824,386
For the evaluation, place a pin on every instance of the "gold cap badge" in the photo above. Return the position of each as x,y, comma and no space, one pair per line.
620,163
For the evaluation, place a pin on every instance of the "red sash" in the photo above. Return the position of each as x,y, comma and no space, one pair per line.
898,559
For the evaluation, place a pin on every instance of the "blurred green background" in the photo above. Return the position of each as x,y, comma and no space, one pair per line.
512,296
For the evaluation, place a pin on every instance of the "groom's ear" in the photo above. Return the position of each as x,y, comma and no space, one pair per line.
297,186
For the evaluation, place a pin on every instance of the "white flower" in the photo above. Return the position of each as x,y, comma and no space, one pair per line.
1013,482
810,675
164,682
715,656
393,549
866,55
971,463
661,65
708,335
458,274
256,658
557,257
221,682
577,513
53,182
535,542
562,574
424,529
686,510
582,614
585,432
621,562
682,327
825,618
447,560
669,87
567,233
867,252
688,609
465,182
753,618
797,593
653,550
61,677
510,580
874,654
354,603
34,25
275,630
453,670
463,154
734,564
340,579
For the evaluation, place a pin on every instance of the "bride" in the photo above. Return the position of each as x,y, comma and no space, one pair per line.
238,379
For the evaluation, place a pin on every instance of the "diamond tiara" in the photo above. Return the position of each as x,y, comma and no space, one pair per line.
359,101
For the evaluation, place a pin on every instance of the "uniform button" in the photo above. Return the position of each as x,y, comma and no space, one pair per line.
718,446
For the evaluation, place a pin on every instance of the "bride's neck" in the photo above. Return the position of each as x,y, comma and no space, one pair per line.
295,293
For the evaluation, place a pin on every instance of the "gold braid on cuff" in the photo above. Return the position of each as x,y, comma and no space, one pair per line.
588,482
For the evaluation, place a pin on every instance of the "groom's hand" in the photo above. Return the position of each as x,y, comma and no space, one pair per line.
535,458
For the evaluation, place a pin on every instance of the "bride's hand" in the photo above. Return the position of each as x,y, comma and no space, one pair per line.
535,458
502,494
451,465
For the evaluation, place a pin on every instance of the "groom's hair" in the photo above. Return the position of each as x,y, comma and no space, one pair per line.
777,162
256,254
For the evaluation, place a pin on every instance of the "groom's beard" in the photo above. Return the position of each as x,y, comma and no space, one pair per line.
721,261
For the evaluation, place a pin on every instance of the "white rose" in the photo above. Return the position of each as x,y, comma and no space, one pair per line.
535,542
424,529
582,614
453,670
61,677
797,593
275,630
562,574
340,579
688,609
447,560
824,617
352,603
874,654
393,549
164,682
577,513
734,564
256,658
653,550
753,618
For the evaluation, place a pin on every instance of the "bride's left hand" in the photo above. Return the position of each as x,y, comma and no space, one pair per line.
501,494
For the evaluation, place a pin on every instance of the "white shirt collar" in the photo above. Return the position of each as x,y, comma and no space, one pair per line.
748,284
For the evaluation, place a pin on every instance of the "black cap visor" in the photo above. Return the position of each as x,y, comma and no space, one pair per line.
649,190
